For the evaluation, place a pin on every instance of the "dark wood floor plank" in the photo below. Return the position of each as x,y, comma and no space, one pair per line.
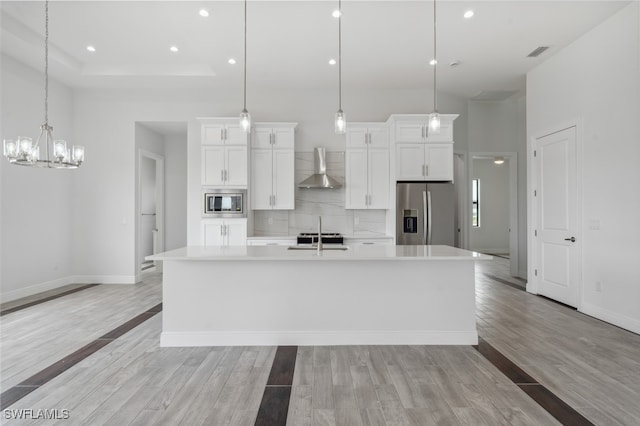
274,406
283,366
127,326
59,367
44,299
554,405
16,393
504,364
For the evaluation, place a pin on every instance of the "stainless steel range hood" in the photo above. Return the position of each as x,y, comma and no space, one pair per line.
320,179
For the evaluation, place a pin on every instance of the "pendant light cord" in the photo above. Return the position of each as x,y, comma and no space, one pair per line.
245,55
340,55
46,63
435,58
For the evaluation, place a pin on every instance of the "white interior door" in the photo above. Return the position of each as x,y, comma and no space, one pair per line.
556,207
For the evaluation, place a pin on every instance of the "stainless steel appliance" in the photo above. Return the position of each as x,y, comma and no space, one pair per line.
327,238
425,213
224,203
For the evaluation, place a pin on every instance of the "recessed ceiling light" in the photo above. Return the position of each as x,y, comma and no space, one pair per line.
232,61
468,14
332,61
174,49
433,62
204,13
336,13
91,48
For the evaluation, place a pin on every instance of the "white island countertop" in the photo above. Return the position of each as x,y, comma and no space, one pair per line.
352,253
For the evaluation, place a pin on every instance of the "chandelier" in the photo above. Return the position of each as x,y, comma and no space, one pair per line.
23,152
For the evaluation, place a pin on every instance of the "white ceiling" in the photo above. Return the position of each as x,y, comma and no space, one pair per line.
386,44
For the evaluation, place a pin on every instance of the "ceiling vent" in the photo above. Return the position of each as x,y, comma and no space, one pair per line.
537,51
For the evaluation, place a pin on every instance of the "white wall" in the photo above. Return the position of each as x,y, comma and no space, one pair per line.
596,80
106,192
175,187
499,126
492,236
37,216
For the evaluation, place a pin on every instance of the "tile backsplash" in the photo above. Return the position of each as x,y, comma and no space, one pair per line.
311,203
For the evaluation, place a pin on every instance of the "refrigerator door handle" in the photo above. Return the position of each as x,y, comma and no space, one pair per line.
424,217
429,217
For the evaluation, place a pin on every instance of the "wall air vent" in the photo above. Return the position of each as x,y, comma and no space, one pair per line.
537,51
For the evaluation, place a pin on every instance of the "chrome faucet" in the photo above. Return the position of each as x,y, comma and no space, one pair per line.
319,234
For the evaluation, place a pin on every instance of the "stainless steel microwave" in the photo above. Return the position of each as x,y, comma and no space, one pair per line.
224,203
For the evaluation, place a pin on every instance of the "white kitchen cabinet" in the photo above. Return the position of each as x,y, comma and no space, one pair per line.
223,132
273,167
420,154
417,130
428,161
224,232
367,167
273,135
223,153
224,165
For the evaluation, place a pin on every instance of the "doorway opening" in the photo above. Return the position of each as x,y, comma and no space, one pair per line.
493,206
150,207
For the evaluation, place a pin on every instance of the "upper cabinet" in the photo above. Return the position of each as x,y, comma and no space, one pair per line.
223,132
273,166
224,153
421,154
367,177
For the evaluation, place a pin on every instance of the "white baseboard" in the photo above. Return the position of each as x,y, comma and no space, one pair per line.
104,279
34,289
316,338
614,318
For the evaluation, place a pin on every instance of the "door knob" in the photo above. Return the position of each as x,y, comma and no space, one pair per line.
572,239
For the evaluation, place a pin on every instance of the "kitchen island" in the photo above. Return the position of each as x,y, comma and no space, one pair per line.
363,295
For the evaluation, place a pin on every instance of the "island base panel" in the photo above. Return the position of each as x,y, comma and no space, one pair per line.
228,303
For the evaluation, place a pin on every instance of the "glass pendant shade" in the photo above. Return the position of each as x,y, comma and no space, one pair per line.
434,122
245,121
77,154
340,123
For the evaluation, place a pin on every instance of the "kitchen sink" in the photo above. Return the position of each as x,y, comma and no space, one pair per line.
324,248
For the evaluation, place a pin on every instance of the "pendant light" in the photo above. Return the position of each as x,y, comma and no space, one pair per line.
245,117
23,152
434,117
340,119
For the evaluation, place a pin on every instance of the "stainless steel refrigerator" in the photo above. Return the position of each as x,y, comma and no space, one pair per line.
425,213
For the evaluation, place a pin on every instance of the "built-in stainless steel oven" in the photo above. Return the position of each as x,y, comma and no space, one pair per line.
224,203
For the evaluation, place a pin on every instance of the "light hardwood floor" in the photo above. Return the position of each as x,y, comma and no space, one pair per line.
593,366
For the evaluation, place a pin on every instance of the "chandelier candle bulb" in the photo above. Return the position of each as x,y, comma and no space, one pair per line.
10,149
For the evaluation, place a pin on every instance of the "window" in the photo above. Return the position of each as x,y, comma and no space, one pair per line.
475,203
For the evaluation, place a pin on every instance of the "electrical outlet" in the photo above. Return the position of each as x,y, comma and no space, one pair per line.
356,220
598,286
594,224
270,220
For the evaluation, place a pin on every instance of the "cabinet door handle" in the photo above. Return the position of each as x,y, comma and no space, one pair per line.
423,132
226,135
426,170
221,134
222,175
274,201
